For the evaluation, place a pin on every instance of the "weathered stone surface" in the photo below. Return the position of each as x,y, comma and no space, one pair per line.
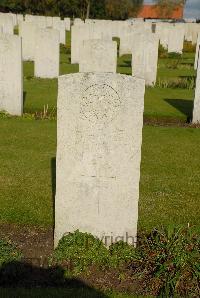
176,40
191,32
98,56
127,35
78,21
7,24
14,18
60,26
196,110
27,31
67,24
11,90
163,31
79,33
100,119
40,21
20,18
145,57
49,22
47,48
197,52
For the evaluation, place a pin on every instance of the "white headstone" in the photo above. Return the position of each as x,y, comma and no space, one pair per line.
78,21
20,18
197,52
78,35
11,89
163,31
60,26
176,40
14,17
127,35
67,24
27,31
98,56
100,119
49,22
191,32
145,57
47,49
6,22
196,110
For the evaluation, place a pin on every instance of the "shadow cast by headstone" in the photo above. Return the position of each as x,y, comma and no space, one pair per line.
53,185
187,77
24,97
182,105
22,275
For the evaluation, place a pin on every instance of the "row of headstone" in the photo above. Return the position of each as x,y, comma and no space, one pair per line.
171,37
49,22
191,29
42,21
99,55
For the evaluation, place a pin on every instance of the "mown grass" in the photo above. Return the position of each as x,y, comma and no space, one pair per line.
169,189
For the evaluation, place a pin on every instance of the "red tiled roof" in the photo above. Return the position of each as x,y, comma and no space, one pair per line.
153,12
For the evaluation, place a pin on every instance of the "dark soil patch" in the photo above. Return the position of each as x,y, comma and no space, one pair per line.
170,122
33,242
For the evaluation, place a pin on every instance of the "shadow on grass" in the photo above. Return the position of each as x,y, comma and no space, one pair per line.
24,97
125,63
53,185
187,77
18,276
182,105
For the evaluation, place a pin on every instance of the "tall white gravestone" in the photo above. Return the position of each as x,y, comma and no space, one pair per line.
196,110
6,22
60,26
197,52
27,31
67,24
11,86
176,40
98,56
145,57
47,48
100,120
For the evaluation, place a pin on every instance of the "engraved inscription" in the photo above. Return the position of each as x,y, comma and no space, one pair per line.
100,103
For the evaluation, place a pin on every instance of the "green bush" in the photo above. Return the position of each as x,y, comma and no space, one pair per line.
162,52
171,258
174,55
82,250
166,262
183,83
189,47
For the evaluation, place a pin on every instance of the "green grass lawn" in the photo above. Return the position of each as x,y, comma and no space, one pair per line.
170,174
